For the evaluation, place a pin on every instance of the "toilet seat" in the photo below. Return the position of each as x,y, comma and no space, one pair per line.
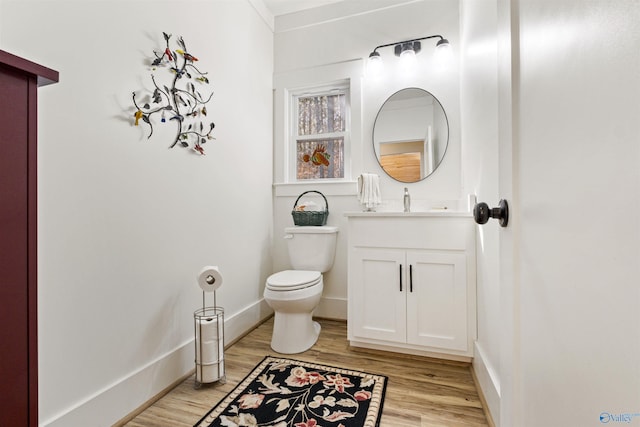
291,280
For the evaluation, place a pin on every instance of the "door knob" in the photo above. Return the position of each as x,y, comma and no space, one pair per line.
482,213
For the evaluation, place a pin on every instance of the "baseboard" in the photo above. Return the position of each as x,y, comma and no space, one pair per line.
128,395
238,324
110,404
123,422
488,386
408,350
332,308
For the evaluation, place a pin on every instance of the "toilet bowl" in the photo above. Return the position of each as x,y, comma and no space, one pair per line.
294,294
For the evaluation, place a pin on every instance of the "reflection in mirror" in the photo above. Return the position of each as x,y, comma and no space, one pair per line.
410,135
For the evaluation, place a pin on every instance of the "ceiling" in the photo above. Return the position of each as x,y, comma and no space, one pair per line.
281,7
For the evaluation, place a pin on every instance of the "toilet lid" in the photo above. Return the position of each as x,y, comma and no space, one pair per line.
290,280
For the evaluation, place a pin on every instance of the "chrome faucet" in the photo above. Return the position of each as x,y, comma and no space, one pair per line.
407,200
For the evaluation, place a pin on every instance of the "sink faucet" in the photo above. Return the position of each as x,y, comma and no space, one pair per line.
407,200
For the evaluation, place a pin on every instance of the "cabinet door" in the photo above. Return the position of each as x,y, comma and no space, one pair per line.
377,294
437,300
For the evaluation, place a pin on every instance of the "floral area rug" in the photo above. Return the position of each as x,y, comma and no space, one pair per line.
290,393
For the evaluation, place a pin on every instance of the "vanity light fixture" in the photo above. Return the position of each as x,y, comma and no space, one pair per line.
406,50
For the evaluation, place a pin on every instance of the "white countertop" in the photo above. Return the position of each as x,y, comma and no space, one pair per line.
430,213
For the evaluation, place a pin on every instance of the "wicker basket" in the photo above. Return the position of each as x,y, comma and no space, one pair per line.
310,217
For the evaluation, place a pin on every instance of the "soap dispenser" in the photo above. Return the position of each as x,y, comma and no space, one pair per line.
407,200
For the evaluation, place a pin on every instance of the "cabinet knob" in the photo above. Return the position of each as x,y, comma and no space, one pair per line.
482,213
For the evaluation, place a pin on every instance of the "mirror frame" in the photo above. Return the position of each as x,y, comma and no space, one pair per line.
376,149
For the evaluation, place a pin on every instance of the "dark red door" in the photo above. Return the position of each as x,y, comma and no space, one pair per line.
14,250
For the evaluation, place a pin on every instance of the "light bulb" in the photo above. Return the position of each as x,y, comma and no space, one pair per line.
375,66
408,59
443,51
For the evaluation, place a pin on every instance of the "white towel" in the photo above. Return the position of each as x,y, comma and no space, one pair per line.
369,190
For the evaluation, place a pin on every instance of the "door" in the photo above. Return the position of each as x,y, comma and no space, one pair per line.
377,303
437,300
571,282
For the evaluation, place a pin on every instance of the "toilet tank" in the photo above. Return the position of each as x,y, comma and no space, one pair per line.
311,247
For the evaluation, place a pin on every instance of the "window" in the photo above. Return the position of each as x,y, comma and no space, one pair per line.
344,78
320,133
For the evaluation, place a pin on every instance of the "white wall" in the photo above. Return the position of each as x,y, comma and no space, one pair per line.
479,110
125,224
340,35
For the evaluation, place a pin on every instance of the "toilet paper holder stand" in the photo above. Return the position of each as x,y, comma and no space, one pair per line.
209,343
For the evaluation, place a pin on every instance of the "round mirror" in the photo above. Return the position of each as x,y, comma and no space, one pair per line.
410,135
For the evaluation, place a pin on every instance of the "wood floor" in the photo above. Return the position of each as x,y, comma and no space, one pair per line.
420,392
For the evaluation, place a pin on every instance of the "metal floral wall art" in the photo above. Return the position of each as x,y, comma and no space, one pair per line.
180,102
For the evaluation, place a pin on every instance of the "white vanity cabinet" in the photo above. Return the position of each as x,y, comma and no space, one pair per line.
411,283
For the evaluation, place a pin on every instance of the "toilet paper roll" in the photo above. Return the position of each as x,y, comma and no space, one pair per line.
210,278
207,329
207,351
206,373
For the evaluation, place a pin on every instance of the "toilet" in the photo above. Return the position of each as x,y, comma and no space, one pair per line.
294,294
